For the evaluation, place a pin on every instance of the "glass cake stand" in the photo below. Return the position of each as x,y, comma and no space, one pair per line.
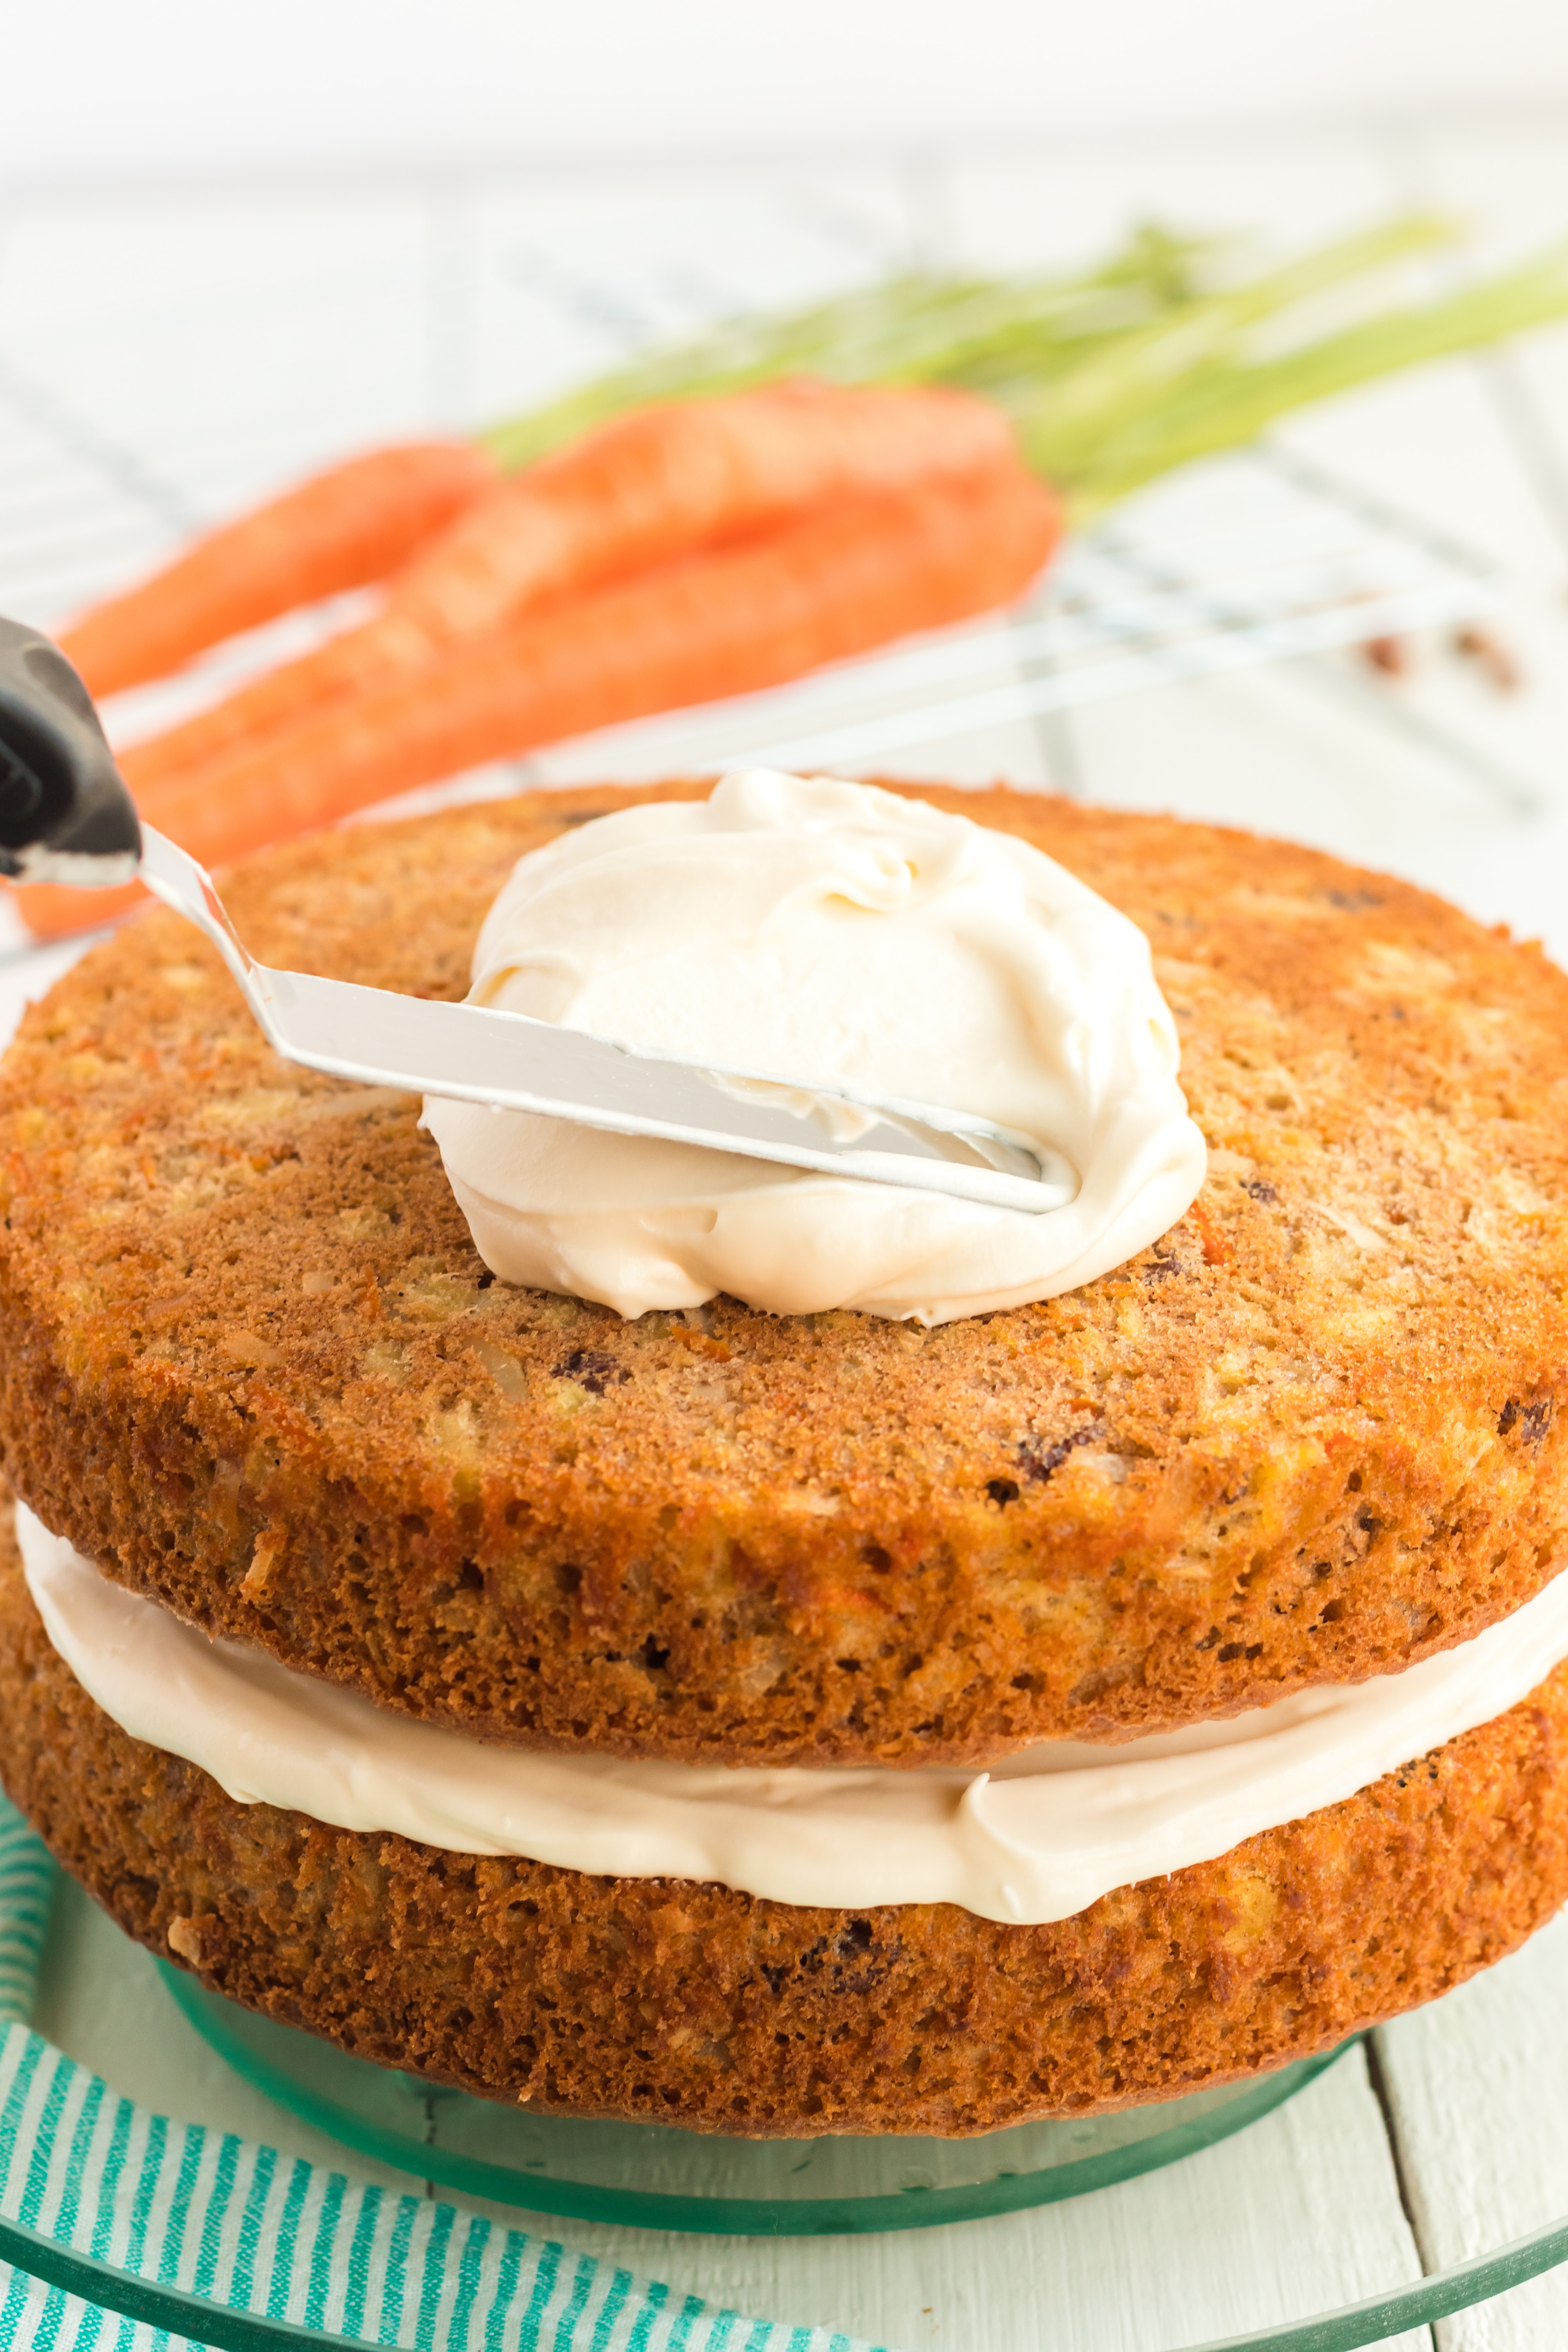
1259,2186
653,2176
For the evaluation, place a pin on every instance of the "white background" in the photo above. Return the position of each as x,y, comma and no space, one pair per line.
155,87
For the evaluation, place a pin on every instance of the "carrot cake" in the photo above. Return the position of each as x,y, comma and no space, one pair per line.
804,1665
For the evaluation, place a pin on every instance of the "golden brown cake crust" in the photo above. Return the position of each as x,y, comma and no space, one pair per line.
662,1999
250,1360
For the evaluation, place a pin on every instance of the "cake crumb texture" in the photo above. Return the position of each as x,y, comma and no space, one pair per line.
250,1362
664,2000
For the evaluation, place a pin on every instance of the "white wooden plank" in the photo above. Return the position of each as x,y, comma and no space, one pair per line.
1251,2233
1477,2088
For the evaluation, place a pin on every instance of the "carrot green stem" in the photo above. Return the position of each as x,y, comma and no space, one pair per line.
1158,355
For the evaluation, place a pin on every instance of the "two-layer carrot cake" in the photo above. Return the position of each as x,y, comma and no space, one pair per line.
650,1633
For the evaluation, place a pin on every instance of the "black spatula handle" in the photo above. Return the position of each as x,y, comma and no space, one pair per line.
65,813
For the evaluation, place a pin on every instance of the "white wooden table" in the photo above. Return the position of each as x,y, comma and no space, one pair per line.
163,357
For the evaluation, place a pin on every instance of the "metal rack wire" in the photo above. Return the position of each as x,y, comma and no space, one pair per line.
1257,558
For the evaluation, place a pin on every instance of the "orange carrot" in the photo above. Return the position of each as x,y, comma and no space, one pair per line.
52,912
839,581
352,524
661,481
643,490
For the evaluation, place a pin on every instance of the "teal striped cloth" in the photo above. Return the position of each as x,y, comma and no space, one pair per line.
182,2207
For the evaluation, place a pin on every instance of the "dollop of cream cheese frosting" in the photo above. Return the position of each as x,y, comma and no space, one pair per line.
1040,1837
836,933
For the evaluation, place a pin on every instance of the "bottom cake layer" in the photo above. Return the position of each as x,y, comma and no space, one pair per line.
665,2000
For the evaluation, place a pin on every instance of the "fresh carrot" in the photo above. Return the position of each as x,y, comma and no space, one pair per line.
352,524
839,581
1158,354
643,490
662,481
54,912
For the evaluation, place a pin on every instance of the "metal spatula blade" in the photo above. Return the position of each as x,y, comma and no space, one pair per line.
66,816
472,1052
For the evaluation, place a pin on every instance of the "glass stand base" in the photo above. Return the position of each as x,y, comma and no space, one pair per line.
653,2176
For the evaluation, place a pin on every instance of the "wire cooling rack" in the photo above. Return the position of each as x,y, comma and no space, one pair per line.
1247,559
1253,559
165,369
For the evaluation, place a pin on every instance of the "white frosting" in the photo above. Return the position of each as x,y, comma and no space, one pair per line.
826,932
1039,1838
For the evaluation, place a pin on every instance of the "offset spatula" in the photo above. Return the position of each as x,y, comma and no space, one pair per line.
66,816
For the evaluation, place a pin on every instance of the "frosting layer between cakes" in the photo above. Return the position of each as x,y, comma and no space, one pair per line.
1038,1839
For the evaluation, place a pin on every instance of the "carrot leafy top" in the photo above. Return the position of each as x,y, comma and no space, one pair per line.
1162,352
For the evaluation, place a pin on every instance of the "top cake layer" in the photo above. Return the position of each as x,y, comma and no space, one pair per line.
250,1362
